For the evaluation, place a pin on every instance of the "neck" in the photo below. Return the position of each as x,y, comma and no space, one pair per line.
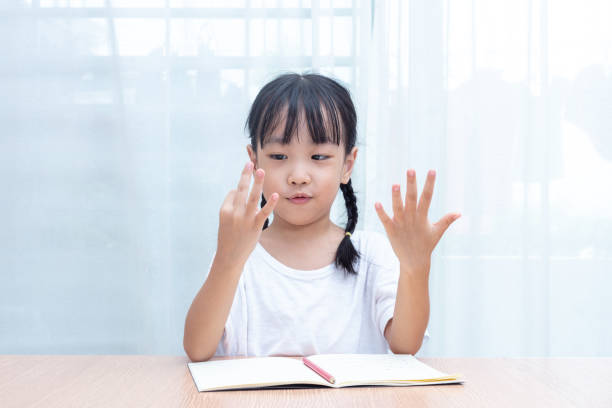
287,232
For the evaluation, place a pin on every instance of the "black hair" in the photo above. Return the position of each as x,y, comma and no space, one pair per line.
314,95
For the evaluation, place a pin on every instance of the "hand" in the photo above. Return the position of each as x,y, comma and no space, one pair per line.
412,237
240,224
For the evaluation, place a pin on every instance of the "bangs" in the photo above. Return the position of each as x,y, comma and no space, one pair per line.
294,98
322,126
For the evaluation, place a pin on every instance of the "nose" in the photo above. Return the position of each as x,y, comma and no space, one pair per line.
298,176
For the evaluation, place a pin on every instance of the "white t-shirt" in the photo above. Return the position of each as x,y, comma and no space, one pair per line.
279,310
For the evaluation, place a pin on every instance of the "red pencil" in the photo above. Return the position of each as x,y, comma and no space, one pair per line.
319,370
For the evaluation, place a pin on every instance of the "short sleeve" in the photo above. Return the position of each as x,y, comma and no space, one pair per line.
385,276
233,340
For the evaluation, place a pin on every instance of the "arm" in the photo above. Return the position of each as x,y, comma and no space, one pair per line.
413,239
240,226
209,310
405,331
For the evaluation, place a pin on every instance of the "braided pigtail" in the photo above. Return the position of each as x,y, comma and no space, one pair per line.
263,203
347,255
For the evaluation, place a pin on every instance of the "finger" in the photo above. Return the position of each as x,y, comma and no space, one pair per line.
445,222
228,202
265,212
255,195
411,192
243,187
425,200
398,206
384,218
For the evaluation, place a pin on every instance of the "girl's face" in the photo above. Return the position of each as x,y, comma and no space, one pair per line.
302,166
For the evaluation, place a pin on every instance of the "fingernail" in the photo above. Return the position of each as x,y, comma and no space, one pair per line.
395,188
248,166
377,205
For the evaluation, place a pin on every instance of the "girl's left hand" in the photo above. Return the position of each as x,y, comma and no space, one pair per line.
412,237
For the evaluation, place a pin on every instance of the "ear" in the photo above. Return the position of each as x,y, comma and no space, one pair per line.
252,156
349,163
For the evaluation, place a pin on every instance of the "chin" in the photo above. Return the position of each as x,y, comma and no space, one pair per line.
296,217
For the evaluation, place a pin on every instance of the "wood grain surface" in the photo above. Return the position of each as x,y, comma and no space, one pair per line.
165,381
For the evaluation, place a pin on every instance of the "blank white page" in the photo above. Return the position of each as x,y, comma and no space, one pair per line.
248,372
368,368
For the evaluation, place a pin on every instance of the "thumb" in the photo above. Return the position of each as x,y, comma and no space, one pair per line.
445,222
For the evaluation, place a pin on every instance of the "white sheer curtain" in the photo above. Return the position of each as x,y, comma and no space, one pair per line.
121,134
121,131
511,103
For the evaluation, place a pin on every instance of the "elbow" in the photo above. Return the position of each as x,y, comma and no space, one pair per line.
197,359
399,345
404,350
197,356
405,347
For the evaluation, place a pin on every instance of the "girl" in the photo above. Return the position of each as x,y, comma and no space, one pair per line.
278,289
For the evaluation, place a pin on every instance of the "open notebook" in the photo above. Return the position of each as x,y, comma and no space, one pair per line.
341,370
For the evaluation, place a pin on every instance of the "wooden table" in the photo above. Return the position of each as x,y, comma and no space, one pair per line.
165,381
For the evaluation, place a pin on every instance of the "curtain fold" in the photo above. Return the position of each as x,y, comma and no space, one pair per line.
486,93
122,130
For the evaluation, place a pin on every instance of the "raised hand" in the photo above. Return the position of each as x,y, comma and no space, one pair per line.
412,237
240,222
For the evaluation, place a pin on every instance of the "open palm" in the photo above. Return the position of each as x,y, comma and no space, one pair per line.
413,238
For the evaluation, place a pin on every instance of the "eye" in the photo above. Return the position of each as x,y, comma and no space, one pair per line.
279,156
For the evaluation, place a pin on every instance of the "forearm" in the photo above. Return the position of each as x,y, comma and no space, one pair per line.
209,310
411,313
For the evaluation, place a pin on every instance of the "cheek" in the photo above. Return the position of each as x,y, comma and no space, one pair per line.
270,186
330,185
334,177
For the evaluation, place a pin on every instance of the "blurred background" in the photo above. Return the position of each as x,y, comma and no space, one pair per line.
121,132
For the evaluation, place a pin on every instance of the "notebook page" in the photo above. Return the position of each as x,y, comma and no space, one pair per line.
256,372
376,368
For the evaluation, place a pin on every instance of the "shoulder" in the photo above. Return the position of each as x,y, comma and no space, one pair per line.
374,247
371,239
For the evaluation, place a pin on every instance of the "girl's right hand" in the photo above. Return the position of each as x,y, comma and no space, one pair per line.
240,224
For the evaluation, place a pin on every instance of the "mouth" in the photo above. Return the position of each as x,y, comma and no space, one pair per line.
299,199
